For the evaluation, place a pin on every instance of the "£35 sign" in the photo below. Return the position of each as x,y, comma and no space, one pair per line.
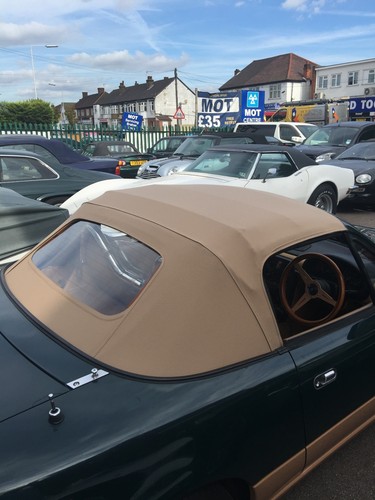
218,110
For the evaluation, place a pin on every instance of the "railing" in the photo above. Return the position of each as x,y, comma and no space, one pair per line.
78,135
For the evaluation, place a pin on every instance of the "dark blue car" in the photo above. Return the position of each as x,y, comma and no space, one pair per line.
53,150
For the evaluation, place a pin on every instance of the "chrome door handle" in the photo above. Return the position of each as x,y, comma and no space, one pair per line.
325,378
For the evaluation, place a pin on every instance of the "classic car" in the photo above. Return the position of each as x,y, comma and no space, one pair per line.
193,147
24,223
34,176
55,150
131,158
275,169
163,344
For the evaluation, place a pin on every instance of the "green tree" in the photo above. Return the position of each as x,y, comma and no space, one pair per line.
32,111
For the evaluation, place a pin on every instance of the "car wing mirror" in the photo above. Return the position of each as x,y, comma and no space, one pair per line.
271,172
297,139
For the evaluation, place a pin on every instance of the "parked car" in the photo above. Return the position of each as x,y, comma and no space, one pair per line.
53,150
166,146
33,176
131,158
280,170
285,132
184,342
330,140
193,147
24,223
361,159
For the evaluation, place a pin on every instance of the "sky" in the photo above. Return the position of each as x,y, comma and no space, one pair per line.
103,43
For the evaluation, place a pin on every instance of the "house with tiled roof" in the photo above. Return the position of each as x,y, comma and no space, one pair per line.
155,100
286,77
87,107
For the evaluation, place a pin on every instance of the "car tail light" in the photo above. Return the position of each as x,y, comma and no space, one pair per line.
120,164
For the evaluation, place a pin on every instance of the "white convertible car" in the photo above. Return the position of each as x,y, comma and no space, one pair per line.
273,169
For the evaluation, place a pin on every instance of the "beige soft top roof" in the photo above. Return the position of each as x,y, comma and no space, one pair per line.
206,307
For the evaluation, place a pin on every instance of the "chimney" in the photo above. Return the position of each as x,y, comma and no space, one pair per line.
122,85
85,94
100,90
307,71
149,82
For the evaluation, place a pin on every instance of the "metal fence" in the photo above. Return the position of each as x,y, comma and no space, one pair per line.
77,136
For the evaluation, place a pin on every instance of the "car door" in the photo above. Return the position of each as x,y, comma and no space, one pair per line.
28,176
275,173
335,361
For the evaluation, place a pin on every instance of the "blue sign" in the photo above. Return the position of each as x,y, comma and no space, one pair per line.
225,109
131,121
362,106
252,109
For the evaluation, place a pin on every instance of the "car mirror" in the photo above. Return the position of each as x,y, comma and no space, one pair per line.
297,138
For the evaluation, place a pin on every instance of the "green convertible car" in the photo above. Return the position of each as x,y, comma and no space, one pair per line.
184,342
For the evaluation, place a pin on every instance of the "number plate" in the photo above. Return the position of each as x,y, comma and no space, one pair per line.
136,163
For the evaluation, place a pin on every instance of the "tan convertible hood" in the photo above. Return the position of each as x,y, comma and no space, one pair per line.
206,307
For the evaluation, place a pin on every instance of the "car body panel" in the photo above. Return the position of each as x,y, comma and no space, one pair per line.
32,176
190,397
56,150
24,222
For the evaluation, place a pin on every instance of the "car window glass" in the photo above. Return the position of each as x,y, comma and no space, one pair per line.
229,163
24,169
273,165
120,148
237,140
306,130
162,145
195,146
98,265
89,149
287,132
268,129
316,282
35,148
332,136
362,150
367,134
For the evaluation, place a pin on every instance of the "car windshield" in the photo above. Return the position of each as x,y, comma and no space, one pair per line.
195,146
332,136
361,151
98,266
228,163
306,130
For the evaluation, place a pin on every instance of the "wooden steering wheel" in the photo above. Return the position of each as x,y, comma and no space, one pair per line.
311,289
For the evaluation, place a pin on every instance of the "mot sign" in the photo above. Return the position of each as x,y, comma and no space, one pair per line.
225,109
131,121
218,110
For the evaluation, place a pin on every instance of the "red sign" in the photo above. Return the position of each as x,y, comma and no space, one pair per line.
179,115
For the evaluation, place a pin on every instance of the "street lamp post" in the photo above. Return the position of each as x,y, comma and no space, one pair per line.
62,107
47,46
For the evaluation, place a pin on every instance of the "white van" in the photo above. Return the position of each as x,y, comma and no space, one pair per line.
287,132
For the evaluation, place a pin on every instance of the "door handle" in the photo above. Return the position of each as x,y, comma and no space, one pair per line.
325,378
